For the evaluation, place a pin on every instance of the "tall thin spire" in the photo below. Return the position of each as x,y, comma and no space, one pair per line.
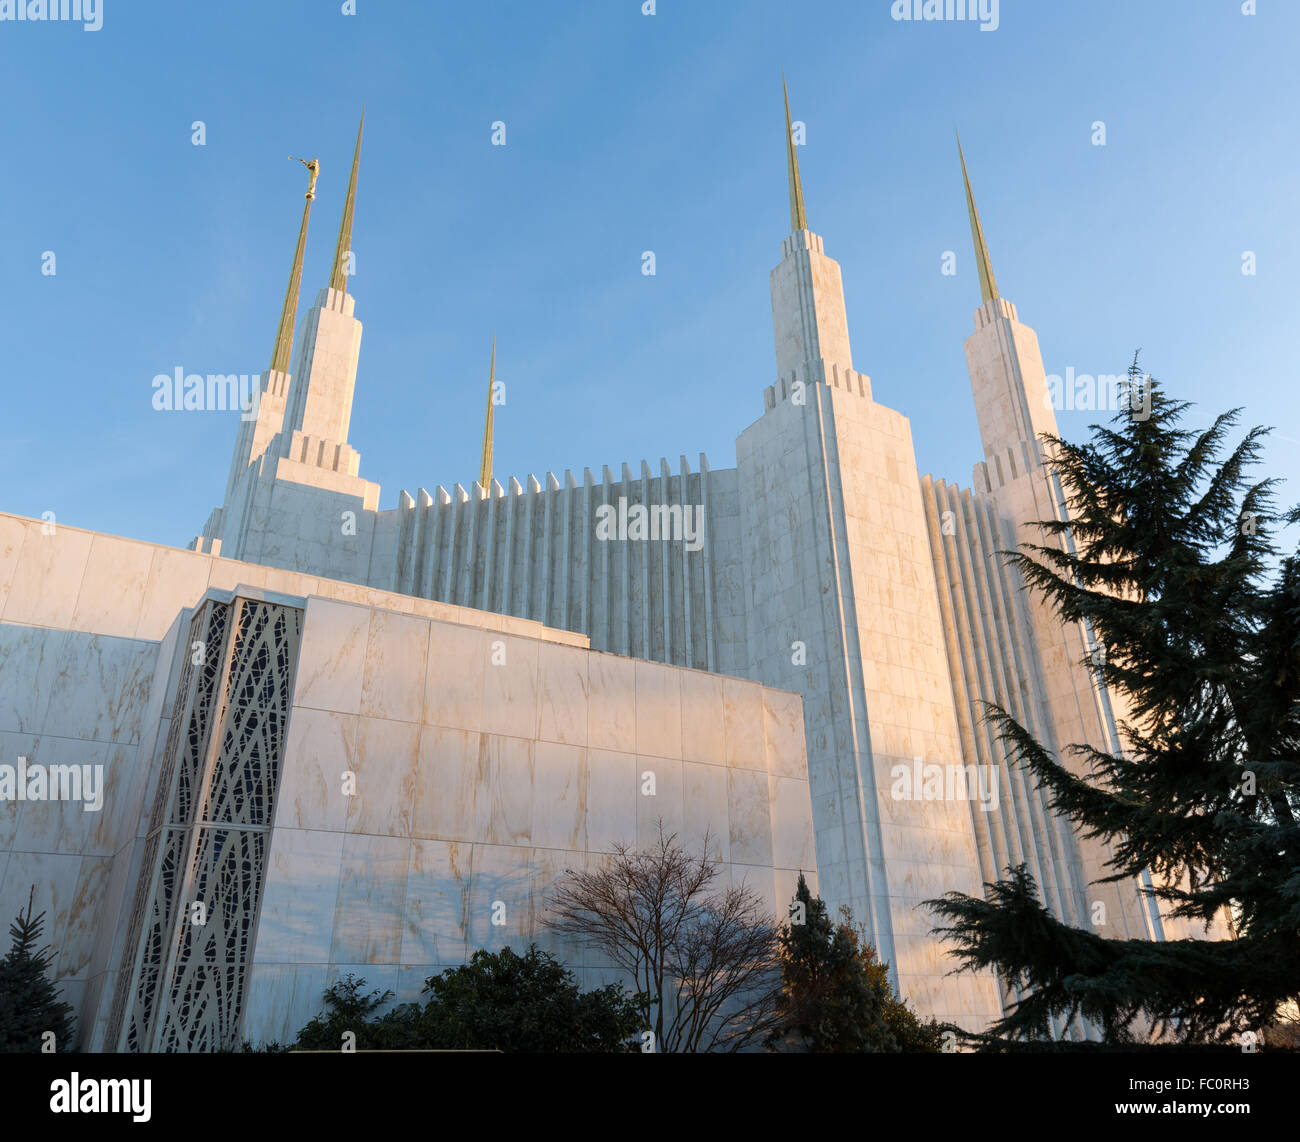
988,283
798,216
283,352
485,469
339,278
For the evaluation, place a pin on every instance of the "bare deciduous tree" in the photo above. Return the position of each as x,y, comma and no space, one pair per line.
703,959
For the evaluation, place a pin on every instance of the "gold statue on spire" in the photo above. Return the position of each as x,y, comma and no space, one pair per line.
313,169
798,215
283,352
988,283
485,468
343,251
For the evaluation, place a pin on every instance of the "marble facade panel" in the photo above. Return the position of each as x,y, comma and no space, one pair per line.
559,796
783,729
792,823
750,817
371,900
562,694
387,775
611,721
611,800
453,694
435,919
446,784
46,582
29,658
503,800
282,999
743,714
706,809
332,657
320,750
658,800
100,689
510,687
500,897
75,948
703,722
396,655
13,533
55,878
299,900
658,710
177,580
116,570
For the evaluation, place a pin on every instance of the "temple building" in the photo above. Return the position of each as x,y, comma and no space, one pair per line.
338,738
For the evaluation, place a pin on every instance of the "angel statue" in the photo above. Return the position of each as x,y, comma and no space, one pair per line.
313,167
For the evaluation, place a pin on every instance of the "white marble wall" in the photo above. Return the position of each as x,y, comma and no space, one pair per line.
486,764
1010,388
844,610
69,699
98,584
253,436
88,630
928,847
303,518
808,315
320,400
532,550
993,657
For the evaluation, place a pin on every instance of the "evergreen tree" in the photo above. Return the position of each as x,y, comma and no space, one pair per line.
836,995
507,1002
29,1002
910,1034
349,1010
498,1001
1168,559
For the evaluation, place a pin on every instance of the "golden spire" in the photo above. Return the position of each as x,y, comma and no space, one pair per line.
485,469
283,351
988,283
798,216
339,278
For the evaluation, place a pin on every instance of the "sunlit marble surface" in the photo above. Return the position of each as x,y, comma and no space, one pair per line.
480,780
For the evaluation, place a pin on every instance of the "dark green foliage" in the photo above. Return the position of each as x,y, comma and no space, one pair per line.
526,1003
29,1002
1173,569
247,1048
348,1009
498,1001
836,995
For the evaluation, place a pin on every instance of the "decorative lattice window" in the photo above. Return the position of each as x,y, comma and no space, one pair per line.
190,939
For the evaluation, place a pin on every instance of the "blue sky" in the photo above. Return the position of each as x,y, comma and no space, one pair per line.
625,133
